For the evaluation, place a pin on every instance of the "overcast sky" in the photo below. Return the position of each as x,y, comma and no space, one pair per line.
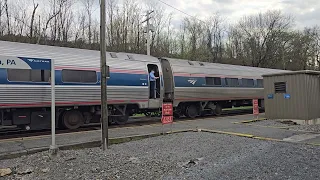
305,12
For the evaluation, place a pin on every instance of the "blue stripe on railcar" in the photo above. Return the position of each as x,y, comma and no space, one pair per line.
181,81
116,79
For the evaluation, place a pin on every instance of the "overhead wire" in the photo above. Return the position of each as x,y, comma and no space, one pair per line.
181,11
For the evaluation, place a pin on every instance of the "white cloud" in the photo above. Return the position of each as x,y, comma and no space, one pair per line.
305,12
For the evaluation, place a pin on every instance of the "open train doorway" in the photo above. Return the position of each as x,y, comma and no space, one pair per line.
154,85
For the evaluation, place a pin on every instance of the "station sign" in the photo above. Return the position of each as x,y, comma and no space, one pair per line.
255,107
167,113
8,62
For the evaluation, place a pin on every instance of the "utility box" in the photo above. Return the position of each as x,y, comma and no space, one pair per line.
292,95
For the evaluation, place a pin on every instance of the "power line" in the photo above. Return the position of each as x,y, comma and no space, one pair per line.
180,10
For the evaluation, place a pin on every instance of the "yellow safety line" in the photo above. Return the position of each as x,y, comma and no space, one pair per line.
249,121
314,144
266,138
276,127
228,133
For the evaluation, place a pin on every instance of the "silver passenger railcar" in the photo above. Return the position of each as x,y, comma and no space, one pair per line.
201,87
194,87
25,94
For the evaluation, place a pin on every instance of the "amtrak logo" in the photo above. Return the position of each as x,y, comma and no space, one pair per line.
38,61
192,81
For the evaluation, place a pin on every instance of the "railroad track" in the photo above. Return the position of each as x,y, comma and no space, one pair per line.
134,122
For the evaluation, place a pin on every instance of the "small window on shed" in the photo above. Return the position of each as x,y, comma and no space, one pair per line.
81,76
260,82
213,81
232,82
247,82
280,87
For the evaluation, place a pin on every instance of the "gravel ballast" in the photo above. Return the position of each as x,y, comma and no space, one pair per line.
289,124
193,155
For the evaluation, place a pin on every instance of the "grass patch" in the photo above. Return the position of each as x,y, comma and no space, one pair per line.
238,108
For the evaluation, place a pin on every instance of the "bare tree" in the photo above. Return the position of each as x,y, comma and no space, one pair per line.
260,35
35,6
50,16
7,14
88,4
214,38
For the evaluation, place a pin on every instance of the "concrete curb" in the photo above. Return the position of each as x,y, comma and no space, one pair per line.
119,140
254,137
92,144
228,133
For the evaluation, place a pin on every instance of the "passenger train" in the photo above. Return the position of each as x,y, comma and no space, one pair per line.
194,88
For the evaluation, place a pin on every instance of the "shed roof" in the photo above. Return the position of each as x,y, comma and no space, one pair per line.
310,72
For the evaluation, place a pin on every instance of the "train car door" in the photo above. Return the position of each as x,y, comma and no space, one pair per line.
168,80
154,86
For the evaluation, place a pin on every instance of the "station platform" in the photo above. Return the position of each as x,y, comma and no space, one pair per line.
230,125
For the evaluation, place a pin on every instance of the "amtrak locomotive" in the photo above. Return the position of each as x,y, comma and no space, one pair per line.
194,88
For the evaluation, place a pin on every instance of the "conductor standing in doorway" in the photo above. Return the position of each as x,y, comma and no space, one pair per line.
152,84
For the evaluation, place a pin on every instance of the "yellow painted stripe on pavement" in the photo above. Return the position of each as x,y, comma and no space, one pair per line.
266,138
228,133
314,144
276,127
11,140
249,121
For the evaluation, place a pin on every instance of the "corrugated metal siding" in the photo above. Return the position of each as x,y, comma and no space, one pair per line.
304,97
313,96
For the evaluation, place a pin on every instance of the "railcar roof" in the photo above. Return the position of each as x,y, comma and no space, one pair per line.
66,55
310,72
228,67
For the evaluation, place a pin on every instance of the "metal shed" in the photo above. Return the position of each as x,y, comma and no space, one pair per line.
292,95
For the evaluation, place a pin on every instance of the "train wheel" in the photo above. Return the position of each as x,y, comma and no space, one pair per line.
72,119
218,110
191,111
147,114
157,114
120,119
176,115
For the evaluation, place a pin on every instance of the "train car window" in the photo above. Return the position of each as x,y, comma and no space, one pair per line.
232,82
82,76
247,82
260,82
28,75
280,87
209,81
216,81
36,76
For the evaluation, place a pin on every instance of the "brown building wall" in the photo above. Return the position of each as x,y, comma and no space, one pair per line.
304,98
